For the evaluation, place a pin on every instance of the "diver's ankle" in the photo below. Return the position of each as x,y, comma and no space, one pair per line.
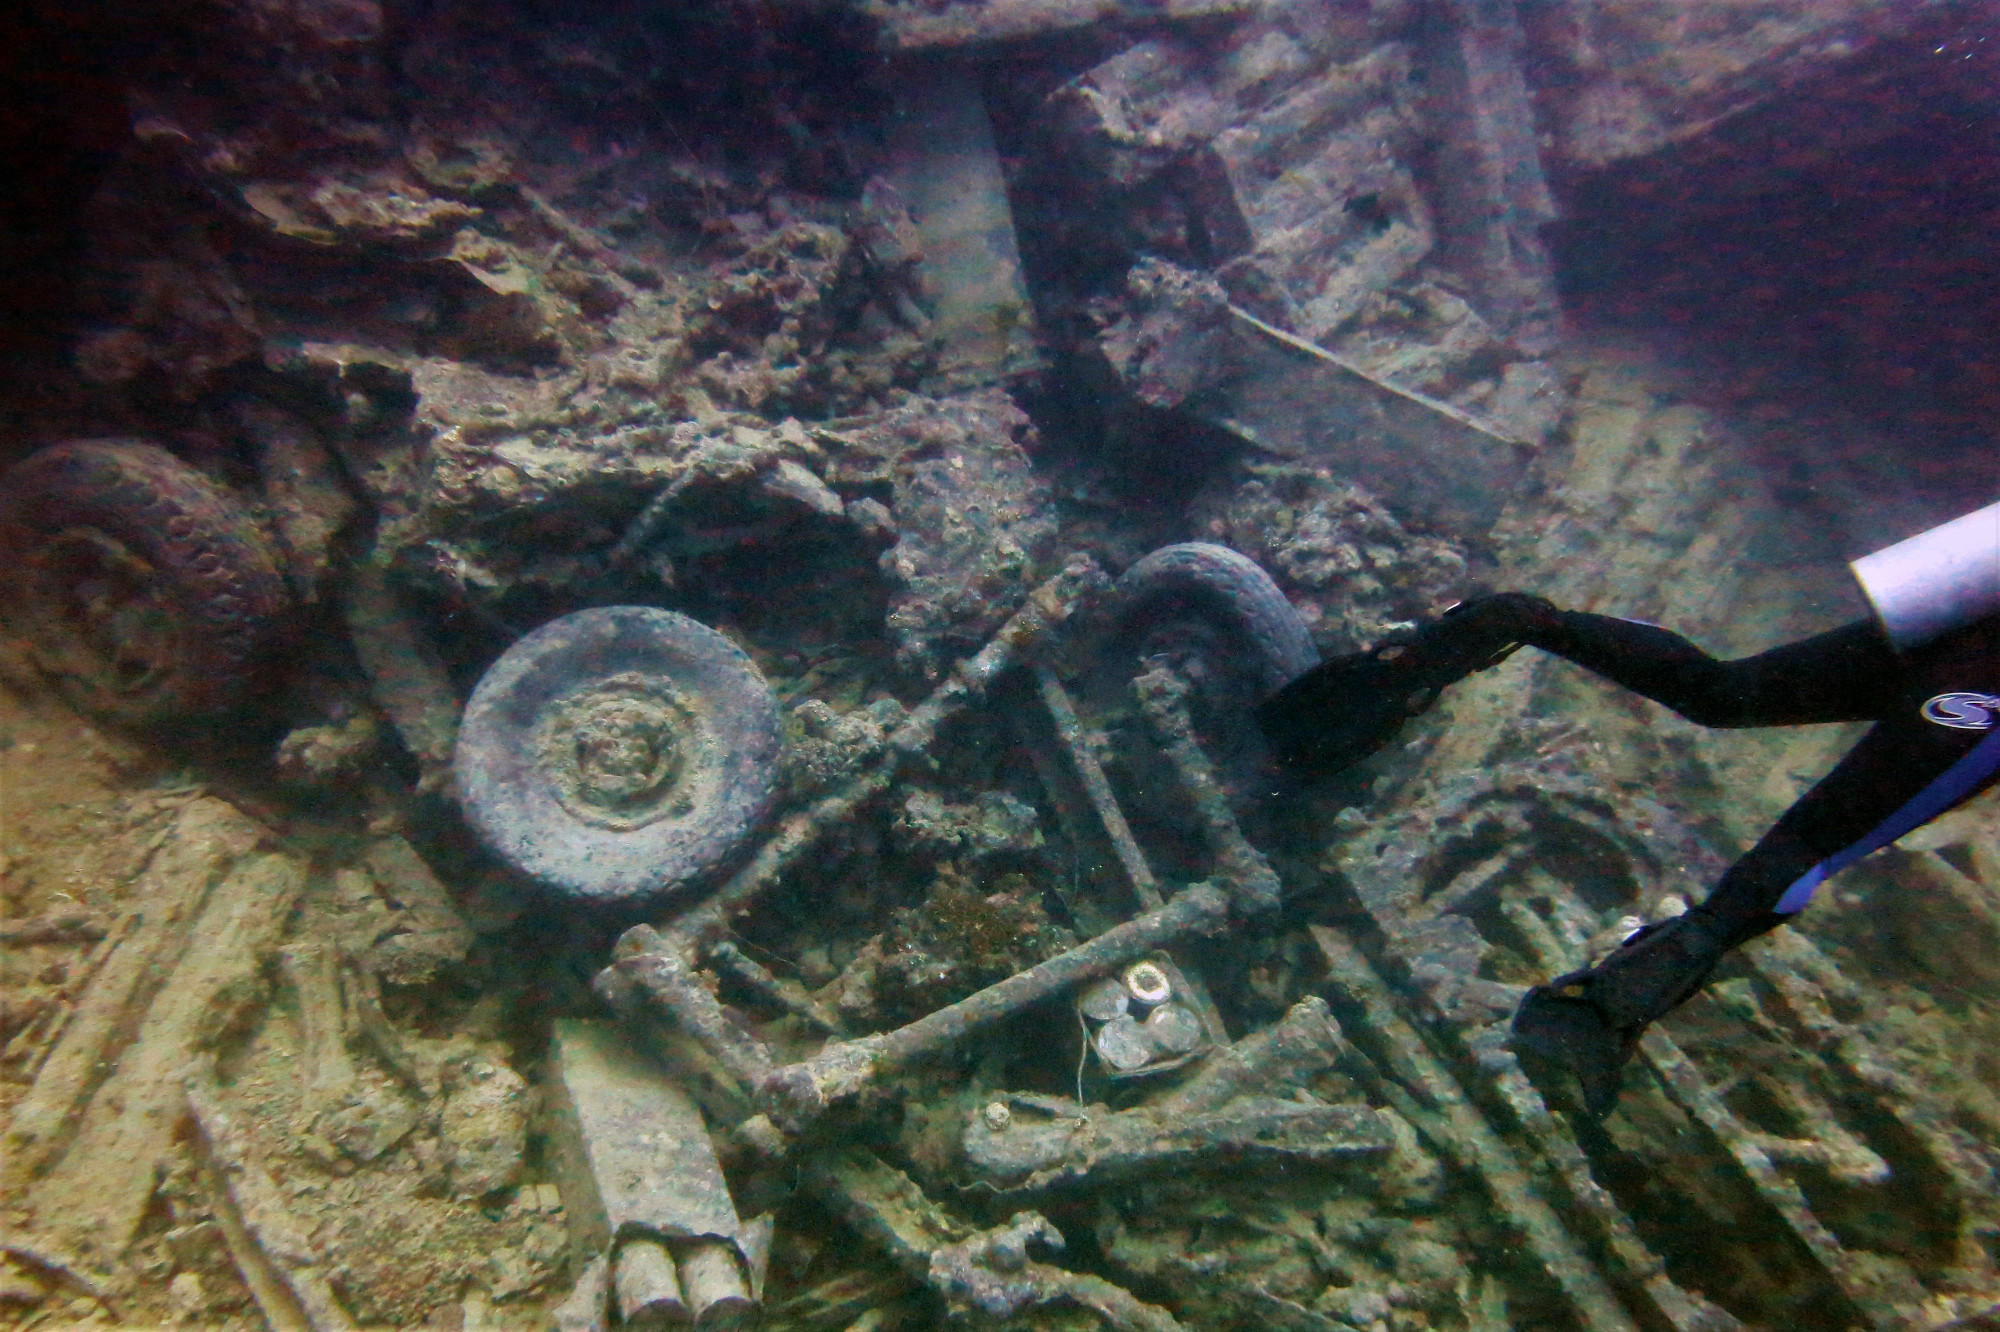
1521,616
1653,972
1471,636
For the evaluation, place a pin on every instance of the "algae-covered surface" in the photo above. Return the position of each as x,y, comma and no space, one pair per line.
877,341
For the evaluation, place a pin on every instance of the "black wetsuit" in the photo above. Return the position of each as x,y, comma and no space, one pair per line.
1931,707
1935,743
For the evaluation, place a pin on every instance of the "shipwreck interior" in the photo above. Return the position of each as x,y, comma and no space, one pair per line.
630,640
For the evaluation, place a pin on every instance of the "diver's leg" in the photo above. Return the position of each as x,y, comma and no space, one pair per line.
1874,795
1347,707
1909,768
1350,706
1589,1022
1834,676
1905,768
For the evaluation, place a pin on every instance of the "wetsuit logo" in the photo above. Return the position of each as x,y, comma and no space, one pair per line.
1961,711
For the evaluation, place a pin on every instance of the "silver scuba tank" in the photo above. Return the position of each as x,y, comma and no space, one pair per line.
1936,581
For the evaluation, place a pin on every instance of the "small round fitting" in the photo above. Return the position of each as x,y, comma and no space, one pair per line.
1147,983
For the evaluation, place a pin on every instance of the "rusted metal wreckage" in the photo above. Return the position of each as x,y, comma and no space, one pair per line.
1512,873
1857,1194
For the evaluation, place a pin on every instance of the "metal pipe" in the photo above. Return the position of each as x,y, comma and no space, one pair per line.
797,1095
1069,729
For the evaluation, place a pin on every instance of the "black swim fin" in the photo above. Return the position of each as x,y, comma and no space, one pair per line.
1589,1022
1346,708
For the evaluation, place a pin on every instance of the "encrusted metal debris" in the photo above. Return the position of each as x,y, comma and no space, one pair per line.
983,1274
968,681
1426,1015
109,1088
1253,886
643,1190
835,327
1224,1111
1435,462
1444,914
960,23
273,1251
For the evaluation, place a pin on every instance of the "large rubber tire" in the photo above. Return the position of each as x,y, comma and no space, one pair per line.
141,587
1233,589
620,753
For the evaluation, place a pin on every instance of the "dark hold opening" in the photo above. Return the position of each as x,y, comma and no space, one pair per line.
1834,253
